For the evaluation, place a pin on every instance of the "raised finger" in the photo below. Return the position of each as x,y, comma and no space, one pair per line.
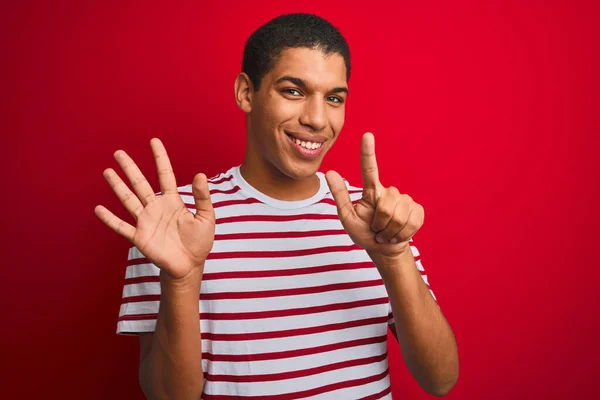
340,194
128,198
139,183
115,223
166,177
368,162
202,200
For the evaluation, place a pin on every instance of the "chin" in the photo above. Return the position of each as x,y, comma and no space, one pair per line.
296,170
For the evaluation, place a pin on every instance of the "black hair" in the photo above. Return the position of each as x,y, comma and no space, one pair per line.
264,46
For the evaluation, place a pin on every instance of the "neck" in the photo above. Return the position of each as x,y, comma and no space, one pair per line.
268,180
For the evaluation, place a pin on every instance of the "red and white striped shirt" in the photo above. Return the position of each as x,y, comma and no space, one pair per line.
290,307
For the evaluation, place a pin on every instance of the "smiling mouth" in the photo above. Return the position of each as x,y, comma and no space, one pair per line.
306,144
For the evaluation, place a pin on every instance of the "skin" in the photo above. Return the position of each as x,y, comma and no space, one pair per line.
178,242
382,222
304,93
315,109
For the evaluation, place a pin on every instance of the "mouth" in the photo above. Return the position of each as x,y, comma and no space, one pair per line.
306,149
310,145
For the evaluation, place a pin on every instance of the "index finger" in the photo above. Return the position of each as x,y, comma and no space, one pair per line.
166,177
368,162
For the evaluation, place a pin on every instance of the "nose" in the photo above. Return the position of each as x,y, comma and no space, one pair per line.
314,114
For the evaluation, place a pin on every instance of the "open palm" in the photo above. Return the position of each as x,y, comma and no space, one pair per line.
167,233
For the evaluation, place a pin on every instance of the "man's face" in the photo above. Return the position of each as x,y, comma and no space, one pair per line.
302,99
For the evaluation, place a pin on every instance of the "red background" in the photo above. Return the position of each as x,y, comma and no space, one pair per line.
487,114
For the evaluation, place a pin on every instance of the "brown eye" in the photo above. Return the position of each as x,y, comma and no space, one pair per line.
293,92
335,99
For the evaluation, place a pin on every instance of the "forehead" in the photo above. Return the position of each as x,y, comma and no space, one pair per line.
312,66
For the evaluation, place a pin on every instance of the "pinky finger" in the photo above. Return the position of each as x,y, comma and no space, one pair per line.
115,223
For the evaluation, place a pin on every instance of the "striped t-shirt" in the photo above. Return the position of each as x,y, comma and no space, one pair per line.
290,307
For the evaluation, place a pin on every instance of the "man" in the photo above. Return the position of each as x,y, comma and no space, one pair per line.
272,280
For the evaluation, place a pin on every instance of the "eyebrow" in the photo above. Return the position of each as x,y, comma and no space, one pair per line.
302,83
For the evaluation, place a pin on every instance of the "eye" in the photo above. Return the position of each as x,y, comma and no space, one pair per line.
293,92
335,99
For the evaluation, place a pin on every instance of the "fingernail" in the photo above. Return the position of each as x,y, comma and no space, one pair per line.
393,240
379,239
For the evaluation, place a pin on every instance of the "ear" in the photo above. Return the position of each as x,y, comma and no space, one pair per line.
244,91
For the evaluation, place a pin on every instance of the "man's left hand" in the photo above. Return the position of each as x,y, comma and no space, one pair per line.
383,220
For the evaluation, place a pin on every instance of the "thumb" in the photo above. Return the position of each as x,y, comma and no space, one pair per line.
204,207
340,195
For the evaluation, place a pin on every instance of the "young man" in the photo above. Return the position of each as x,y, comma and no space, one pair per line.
271,280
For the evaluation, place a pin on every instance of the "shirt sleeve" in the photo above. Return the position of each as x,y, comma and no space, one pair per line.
419,264
141,295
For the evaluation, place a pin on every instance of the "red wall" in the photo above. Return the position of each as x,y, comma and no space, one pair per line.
487,114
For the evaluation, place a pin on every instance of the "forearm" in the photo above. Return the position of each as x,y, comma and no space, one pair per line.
173,368
426,340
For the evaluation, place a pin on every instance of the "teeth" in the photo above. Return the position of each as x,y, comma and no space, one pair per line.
307,145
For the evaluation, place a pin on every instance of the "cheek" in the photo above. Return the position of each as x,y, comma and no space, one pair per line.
336,120
284,110
276,111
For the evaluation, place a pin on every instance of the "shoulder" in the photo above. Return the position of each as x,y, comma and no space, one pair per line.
222,179
219,184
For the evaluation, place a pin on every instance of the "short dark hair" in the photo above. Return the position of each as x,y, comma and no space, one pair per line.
264,46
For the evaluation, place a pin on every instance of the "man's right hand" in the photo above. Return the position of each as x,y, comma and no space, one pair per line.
167,233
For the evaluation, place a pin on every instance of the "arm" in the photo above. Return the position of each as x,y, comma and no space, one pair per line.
178,242
426,340
172,367
383,222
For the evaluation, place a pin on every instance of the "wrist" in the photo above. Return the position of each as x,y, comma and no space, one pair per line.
191,281
392,261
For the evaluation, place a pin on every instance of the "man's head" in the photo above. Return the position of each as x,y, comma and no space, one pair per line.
263,48
293,88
